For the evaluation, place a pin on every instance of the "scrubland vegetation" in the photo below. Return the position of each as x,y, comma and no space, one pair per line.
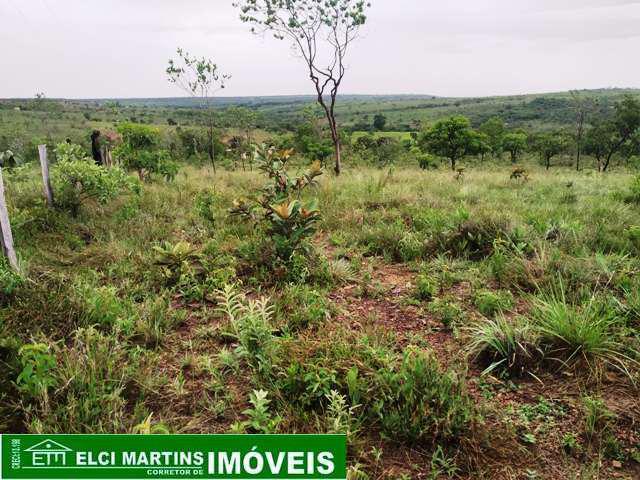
442,322
461,299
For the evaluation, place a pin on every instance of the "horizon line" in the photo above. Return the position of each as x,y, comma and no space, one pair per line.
307,95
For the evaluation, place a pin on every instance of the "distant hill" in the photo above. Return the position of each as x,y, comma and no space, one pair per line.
264,101
356,112
404,112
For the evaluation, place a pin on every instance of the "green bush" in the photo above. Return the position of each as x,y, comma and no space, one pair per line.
78,180
205,206
140,151
10,281
37,375
259,418
103,306
287,221
416,401
250,323
426,288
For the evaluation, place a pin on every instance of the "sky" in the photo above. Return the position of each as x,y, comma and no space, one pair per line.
120,48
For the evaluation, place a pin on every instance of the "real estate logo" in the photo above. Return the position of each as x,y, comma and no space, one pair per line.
48,453
173,456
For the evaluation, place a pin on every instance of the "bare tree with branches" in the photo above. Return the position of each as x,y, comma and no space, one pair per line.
199,78
582,107
321,31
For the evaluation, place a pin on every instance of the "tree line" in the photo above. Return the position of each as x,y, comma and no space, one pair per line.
603,138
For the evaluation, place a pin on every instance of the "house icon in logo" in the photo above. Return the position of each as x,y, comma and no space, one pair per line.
48,454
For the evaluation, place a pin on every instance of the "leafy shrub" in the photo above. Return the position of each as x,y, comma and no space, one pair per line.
499,344
490,303
260,420
205,204
340,416
67,152
426,161
102,306
250,323
176,261
474,239
418,402
288,222
37,375
194,274
78,180
10,280
140,151
291,223
307,384
379,151
426,288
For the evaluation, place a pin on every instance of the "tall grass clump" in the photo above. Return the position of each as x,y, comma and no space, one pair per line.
503,345
79,389
581,333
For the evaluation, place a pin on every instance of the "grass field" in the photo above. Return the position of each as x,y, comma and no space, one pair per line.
475,327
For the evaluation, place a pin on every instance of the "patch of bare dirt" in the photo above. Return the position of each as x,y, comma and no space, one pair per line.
507,451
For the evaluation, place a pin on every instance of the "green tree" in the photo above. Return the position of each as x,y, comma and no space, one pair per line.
199,78
515,143
480,145
621,129
379,122
494,129
322,32
452,139
597,142
549,145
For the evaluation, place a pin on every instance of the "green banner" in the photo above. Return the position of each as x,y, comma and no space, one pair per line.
173,456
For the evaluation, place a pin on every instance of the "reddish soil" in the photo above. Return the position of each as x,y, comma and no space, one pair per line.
501,452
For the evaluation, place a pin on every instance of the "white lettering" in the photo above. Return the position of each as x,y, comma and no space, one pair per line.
276,466
296,463
228,465
325,463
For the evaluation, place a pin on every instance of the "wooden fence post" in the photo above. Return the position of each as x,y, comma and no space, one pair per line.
46,181
6,238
